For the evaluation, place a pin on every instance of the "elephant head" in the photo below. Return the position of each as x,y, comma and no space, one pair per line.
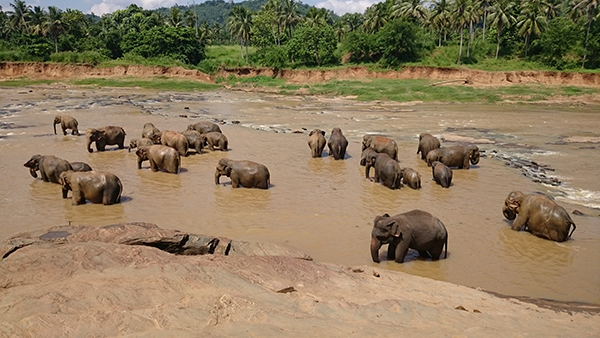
64,180
366,143
512,205
317,131
156,137
473,154
385,230
142,154
33,164
57,120
93,135
223,169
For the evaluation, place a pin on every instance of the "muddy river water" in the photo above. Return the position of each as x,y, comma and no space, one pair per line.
321,206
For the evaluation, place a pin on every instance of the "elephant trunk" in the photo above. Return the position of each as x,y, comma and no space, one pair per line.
217,176
33,172
54,125
65,192
509,213
475,158
88,144
375,245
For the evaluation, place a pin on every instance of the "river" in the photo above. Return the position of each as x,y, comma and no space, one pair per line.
317,205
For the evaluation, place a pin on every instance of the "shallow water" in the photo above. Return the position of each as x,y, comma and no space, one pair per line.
321,206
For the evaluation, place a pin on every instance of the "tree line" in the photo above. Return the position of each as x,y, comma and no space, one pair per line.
562,34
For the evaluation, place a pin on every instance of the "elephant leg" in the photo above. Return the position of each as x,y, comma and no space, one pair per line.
44,176
424,254
100,146
436,252
78,197
235,181
519,222
153,165
401,251
64,131
391,254
107,198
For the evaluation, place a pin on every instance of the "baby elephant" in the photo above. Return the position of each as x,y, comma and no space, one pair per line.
140,142
94,186
416,229
337,144
316,142
248,174
411,178
80,166
442,174
386,169
66,122
215,139
365,155
160,157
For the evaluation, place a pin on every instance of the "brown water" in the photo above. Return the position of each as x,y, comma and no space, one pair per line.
321,206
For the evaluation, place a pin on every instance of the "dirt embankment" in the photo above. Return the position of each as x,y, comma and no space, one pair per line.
11,70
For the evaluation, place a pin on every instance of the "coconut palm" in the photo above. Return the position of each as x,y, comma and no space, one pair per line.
460,19
500,18
439,18
551,8
275,8
412,9
239,24
175,17
37,16
485,7
531,21
472,14
375,18
17,18
317,17
289,16
589,9
53,26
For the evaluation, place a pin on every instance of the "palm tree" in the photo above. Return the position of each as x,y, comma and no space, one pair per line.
37,16
589,8
275,8
317,16
439,18
531,21
175,17
460,19
412,9
17,17
485,6
472,14
500,17
289,15
551,8
375,18
54,26
239,24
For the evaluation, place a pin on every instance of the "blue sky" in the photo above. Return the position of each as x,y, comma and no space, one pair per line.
100,7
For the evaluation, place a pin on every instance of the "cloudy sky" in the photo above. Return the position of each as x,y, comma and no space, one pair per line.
100,7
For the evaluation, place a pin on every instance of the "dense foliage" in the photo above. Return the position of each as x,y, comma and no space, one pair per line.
559,34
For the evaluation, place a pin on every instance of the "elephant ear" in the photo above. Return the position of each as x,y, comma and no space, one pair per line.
311,132
512,203
323,133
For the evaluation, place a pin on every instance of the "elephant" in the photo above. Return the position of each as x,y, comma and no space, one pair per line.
49,166
433,155
204,127
540,214
80,166
66,122
94,186
108,135
427,142
214,140
442,174
381,144
459,156
415,229
411,178
139,142
337,144
316,142
176,140
386,169
160,157
248,174
366,153
149,131
194,140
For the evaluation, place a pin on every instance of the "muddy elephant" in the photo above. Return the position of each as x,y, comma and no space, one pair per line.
316,142
140,142
337,144
194,140
433,155
94,186
149,131
204,127
160,157
366,153
175,140
427,142
415,229
80,166
108,135
215,141
49,166
459,156
381,144
540,214
442,174
66,122
386,169
248,174
411,178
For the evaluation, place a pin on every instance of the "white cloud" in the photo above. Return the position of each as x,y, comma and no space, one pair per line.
109,6
341,7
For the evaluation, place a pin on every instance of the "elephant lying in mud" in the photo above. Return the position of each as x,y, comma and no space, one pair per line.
337,144
66,122
49,166
94,186
316,142
204,127
108,135
427,142
381,144
539,214
416,229
248,174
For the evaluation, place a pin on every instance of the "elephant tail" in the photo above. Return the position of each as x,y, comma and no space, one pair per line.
395,151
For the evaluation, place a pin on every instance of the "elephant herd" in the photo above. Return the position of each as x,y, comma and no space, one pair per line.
416,229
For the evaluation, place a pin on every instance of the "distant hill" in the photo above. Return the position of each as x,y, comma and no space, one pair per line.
217,11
